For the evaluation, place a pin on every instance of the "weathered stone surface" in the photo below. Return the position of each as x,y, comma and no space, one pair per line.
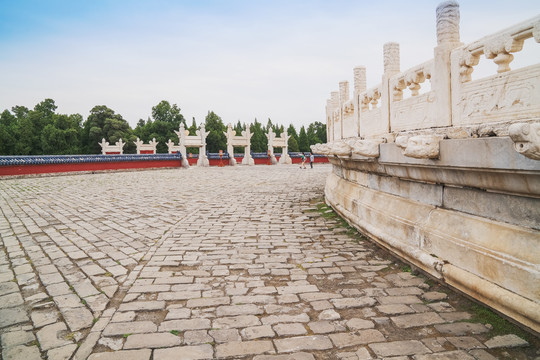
461,328
465,342
12,316
275,319
78,319
248,309
244,348
347,303
133,327
290,329
299,343
226,335
183,325
14,338
194,337
195,352
358,338
257,332
62,353
21,352
509,340
143,354
142,305
359,324
414,320
447,355
51,336
399,348
295,356
11,300
208,302
155,340
239,321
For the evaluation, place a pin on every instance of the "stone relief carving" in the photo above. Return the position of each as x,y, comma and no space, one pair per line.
423,147
322,149
391,57
526,138
368,148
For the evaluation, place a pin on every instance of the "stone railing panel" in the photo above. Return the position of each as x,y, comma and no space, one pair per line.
509,94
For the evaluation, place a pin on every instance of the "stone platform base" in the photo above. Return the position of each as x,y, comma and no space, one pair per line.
483,241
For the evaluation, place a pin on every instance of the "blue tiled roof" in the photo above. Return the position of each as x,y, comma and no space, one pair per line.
75,159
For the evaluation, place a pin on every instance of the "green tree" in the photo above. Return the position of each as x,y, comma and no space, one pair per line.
216,139
293,139
303,142
316,133
105,123
259,141
8,138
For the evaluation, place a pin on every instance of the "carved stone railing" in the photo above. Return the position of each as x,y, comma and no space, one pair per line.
448,178
509,93
143,148
116,149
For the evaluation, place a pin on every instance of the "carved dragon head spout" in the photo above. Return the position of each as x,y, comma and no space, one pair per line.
526,139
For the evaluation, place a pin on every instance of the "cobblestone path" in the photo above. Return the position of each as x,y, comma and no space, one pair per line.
212,263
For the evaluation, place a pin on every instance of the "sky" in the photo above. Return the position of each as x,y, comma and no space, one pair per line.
242,59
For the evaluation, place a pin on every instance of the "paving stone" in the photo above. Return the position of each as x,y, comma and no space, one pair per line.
408,299
194,337
480,354
448,355
395,309
434,296
12,316
414,320
43,317
11,300
182,313
399,348
461,328
347,303
325,327
185,324
359,324
257,332
225,300
465,342
295,356
329,315
244,348
358,338
51,336
77,319
195,352
275,319
142,306
509,340
21,352
143,354
297,289
133,327
8,287
15,338
247,309
226,335
290,329
239,321
155,340
299,343
178,295
61,353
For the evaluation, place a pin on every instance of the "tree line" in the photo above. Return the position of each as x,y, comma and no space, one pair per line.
42,131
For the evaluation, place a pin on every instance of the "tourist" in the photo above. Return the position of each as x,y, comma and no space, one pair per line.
303,166
311,159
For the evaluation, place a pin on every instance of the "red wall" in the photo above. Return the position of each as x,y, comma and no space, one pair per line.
55,168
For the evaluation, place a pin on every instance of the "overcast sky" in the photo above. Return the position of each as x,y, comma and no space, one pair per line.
242,59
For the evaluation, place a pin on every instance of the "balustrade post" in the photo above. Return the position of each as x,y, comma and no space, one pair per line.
447,40
391,68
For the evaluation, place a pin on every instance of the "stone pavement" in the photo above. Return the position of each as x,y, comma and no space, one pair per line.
212,263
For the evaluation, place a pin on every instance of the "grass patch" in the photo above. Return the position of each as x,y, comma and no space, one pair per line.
126,335
175,332
500,326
